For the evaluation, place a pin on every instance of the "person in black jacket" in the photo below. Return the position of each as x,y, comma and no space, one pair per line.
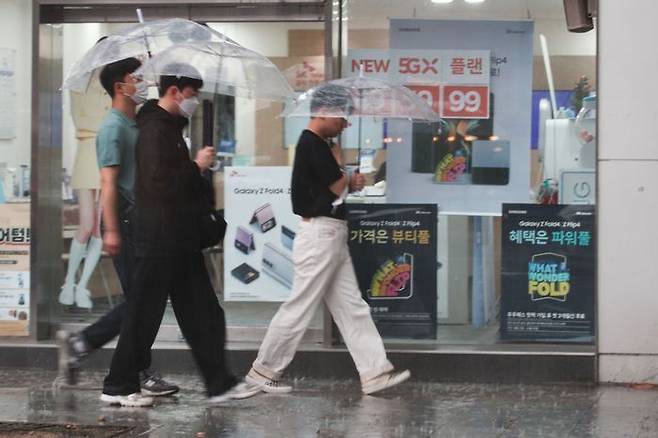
169,262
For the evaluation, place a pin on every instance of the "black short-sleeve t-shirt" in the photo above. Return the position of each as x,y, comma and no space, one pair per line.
314,170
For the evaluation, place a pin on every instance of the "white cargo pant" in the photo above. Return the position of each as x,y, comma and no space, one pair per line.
323,269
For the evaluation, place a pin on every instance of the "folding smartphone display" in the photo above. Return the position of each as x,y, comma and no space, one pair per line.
491,162
264,217
287,237
244,240
245,273
278,265
424,146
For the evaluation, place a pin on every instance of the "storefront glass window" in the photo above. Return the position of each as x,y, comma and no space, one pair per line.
15,164
249,137
513,182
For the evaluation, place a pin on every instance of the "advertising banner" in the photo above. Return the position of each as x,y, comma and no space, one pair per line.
261,228
393,248
548,273
14,269
478,156
455,83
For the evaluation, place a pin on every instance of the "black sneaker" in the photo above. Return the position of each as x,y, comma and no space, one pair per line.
154,385
72,350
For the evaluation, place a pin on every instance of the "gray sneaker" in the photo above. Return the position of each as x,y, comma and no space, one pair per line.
72,351
153,385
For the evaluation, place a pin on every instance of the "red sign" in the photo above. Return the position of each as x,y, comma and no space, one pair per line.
431,94
465,101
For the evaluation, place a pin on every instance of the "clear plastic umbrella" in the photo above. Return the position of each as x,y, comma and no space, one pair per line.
224,68
139,41
361,97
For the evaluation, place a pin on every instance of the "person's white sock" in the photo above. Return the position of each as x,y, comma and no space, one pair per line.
94,249
76,254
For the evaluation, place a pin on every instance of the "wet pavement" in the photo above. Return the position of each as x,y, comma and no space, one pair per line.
336,409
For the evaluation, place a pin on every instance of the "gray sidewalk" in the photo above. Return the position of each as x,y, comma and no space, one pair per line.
334,409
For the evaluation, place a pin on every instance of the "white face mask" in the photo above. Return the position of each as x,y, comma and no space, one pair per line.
141,92
188,106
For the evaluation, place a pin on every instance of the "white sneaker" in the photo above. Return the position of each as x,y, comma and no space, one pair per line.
266,384
240,391
83,298
385,381
134,400
67,295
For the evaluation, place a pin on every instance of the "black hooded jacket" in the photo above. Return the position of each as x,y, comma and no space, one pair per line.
168,186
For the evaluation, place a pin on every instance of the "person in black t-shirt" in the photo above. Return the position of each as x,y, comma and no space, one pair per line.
323,267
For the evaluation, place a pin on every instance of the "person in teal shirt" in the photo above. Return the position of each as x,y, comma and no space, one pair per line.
115,147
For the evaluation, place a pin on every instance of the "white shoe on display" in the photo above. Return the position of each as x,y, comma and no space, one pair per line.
385,381
266,384
67,294
83,298
133,400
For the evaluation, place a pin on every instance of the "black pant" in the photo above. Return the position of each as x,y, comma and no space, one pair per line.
108,327
185,280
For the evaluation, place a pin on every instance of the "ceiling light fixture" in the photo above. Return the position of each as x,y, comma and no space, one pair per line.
474,1
442,1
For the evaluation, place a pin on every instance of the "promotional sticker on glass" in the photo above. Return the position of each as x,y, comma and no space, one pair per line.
393,248
548,275
261,227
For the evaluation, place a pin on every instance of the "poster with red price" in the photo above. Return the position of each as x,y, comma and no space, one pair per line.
477,157
465,74
465,102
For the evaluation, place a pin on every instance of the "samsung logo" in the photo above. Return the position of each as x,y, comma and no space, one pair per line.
518,212
518,32
409,29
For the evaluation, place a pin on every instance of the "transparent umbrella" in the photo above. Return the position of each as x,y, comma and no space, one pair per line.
361,97
139,41
224,68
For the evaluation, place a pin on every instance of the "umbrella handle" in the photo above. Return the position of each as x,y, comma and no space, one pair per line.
209,130
140,18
